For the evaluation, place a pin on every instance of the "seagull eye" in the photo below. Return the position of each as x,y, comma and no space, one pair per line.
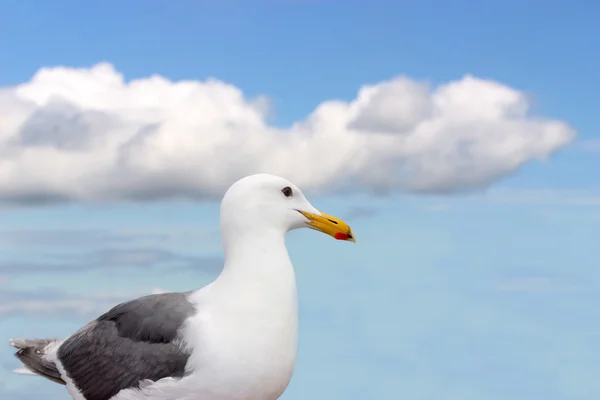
287,191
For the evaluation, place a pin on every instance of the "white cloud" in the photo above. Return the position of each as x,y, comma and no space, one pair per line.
87,134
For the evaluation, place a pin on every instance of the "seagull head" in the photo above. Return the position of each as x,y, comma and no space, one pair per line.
264,202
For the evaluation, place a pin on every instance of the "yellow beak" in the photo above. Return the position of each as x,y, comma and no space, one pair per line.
330,225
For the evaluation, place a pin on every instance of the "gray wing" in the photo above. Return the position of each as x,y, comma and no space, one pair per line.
133,341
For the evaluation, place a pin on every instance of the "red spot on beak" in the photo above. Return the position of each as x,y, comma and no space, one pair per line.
341,236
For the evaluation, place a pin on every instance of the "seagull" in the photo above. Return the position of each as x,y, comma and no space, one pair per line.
233,339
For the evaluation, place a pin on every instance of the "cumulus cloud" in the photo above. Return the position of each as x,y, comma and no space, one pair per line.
87,134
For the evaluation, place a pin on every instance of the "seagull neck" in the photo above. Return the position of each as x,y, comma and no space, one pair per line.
265,250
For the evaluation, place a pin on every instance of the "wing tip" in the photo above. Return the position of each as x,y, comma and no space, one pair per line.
18,343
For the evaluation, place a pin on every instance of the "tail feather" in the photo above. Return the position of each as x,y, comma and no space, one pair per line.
31,352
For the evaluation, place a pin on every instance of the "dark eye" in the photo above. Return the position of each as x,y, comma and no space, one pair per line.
287,191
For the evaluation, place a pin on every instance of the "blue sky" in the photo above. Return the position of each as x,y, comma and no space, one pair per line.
486,293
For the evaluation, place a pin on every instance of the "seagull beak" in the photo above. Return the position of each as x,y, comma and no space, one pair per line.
330,225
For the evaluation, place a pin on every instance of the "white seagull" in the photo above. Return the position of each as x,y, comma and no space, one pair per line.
233,339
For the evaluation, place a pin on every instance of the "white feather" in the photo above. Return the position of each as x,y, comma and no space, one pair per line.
23,371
